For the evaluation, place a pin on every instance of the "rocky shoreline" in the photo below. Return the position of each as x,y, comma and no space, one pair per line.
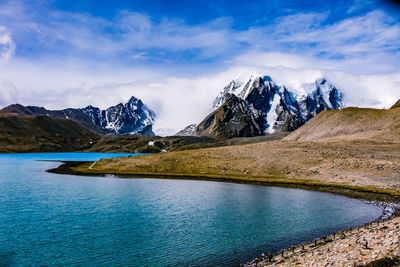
374,244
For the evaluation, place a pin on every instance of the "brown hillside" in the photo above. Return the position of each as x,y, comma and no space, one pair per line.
396,105
42,133
351,124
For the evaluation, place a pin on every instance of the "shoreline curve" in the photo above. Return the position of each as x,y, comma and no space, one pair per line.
82,168
391,199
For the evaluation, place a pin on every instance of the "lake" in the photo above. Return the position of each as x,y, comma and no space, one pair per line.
50,219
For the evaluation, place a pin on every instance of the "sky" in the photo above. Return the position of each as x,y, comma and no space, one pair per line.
178,55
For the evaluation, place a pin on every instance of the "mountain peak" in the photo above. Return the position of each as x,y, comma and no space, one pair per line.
133,100
132,117
278,108
188,131
321,81
267,78
91,107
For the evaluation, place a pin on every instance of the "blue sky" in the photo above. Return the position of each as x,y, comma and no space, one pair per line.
179,33
101,52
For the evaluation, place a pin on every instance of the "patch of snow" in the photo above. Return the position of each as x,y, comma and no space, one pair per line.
272,115
188,131
326,87
249,86
234,87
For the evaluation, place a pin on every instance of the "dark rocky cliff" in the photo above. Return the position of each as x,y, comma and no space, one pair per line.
232,119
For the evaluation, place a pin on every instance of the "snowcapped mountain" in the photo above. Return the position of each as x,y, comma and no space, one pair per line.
133,117
188,131
232,88
277,108
318,96
130,118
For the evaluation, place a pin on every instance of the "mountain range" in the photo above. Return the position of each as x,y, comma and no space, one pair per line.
242,109
260,106
133,117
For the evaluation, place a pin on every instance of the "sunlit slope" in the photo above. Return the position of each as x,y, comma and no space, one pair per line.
351,124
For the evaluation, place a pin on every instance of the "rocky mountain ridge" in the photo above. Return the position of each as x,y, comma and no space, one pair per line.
274,108
133,117
233,119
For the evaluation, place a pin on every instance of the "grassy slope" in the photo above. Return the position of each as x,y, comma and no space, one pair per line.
344,155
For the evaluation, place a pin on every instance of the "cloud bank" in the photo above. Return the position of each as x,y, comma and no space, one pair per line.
75,59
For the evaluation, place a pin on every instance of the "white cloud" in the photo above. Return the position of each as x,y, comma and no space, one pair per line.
8,93
368,90
128,32
275,59
361,89
361,44
179,101
359,54
7,45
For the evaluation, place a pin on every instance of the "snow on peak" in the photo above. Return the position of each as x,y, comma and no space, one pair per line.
132,117
275,104
233,87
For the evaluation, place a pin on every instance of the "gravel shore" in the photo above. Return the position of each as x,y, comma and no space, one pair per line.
375,244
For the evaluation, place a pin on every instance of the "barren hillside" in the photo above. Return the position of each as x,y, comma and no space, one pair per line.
351,124
42,133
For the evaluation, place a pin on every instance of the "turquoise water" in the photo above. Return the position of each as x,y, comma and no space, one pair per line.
52,220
